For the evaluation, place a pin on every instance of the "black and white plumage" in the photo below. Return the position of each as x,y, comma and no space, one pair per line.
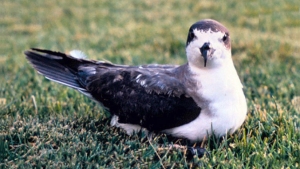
188,101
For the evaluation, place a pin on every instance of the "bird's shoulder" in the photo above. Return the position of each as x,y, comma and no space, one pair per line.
159,79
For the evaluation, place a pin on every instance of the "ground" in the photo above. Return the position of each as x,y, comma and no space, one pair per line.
46,124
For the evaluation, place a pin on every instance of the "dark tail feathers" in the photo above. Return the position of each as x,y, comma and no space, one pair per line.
57,66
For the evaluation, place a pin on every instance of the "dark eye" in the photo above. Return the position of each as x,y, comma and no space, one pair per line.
225,37
192,35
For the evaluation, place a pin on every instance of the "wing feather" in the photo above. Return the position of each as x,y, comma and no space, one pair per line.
151,96
155,100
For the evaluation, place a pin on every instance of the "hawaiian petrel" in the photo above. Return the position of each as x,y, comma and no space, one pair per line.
201,97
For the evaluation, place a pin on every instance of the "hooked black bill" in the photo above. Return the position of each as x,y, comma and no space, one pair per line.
204,51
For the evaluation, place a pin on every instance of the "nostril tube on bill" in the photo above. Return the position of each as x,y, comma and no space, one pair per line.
205,47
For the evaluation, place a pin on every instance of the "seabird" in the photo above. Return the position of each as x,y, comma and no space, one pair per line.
203,96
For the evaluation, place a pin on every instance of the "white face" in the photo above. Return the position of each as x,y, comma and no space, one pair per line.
220,53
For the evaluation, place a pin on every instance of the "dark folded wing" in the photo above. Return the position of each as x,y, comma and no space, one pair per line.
149,95
153,98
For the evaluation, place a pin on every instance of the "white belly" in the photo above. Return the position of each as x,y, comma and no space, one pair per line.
218,118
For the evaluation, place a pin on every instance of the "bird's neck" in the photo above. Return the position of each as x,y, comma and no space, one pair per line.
217,81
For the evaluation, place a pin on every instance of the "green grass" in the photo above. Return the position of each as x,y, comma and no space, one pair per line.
44,124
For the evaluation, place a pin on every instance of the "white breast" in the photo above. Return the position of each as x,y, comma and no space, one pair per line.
223,104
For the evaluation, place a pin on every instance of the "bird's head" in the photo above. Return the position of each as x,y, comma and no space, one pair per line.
208,44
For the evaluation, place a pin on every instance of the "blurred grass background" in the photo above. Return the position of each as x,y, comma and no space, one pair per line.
43,124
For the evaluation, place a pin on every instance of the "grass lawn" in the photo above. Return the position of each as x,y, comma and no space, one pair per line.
44,124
